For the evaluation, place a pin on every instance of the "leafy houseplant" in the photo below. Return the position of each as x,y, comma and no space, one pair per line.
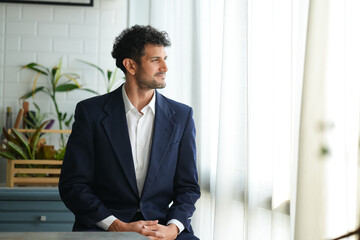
18,147
34,119
59,82
23,166
109,78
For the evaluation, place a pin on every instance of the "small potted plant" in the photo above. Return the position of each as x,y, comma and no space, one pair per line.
30,161
59,82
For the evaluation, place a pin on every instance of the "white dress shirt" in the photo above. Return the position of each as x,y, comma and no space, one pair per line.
140,126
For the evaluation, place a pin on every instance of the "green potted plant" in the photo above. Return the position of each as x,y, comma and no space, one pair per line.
30,160
59,82
34,119
17,146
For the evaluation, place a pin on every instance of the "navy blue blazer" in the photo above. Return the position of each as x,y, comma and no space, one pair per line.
98,177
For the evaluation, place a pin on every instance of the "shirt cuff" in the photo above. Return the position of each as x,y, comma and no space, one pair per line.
105,223
178,224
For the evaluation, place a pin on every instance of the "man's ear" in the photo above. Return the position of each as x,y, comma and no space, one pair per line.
130,65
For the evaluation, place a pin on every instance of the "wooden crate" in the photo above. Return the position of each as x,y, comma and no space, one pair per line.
16,167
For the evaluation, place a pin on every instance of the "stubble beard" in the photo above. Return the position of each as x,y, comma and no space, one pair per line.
153,84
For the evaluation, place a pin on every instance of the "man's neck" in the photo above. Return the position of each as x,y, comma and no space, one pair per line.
138,97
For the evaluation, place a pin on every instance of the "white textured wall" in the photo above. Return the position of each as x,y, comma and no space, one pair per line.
44,34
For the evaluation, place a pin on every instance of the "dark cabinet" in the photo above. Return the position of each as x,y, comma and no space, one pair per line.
33,210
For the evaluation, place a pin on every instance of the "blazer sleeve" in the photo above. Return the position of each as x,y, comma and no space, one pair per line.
78,170
186,188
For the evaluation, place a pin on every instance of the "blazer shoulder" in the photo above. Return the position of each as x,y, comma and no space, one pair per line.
94,106
93,101
97,102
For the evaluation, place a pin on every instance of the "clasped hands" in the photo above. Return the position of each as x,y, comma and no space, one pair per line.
151,229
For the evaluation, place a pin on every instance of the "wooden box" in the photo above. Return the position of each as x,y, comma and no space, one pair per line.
26,172
33,172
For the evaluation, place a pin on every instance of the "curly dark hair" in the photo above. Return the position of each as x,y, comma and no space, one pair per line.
131,43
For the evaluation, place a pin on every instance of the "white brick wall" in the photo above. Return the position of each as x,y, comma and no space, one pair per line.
69,15
68,45
46,33
53,30
2,26
36,44
20,28
13,13
12,43
18,58
43,13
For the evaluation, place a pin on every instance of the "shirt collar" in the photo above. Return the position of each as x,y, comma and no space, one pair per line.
128,105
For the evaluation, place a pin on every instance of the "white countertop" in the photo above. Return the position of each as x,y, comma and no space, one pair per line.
71,236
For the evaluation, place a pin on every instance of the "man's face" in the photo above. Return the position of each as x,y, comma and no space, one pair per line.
151,73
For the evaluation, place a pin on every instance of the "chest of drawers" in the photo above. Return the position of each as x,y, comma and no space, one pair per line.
33,210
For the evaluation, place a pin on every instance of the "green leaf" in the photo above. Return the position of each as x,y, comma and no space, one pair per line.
66,87
89,90
29,123
31,93
112,82
37,107
72,77
17,149
94,66
109,73
67,123
8,136
23,142
36,119
35,138
40,120
56,74
60,153
63,117
37,68
7,154
32,115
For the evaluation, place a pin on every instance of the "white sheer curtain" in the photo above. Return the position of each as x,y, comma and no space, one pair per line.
252,53
240,65
327,203
234,62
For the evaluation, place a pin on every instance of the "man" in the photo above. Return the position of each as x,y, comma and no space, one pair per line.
130,163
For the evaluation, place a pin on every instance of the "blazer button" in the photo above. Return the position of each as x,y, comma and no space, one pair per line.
140,205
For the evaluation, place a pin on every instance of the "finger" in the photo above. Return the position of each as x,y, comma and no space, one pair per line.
152,227
149,233
150,223
159,234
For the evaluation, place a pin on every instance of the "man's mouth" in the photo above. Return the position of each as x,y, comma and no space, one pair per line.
161,74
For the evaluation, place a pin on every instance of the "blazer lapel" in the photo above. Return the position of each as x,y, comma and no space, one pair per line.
115,126
164,127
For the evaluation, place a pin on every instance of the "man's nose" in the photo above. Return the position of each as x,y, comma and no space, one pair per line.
164,67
